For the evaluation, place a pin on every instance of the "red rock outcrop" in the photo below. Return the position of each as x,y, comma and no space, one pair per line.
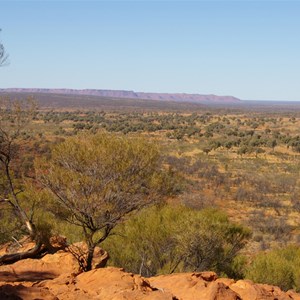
56,277
107,283
190,286
206,285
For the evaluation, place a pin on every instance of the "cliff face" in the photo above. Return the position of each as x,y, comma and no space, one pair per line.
196,98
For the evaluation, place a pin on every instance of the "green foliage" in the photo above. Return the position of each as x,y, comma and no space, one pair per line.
278,267
9,225
48,216
101,176
144,244
97,180
169,239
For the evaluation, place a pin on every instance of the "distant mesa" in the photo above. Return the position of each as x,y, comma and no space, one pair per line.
181,97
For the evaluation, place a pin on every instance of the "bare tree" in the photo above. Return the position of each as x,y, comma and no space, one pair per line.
14,115
3,55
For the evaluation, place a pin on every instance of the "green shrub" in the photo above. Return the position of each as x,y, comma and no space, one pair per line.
162,240
278,267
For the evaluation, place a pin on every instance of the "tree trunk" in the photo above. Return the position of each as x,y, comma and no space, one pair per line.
14,257
90,255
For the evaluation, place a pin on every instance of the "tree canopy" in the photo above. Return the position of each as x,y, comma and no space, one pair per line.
97,180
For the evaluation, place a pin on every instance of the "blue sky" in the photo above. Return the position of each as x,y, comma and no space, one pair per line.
248,49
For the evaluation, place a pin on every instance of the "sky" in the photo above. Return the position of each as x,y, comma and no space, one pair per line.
247,49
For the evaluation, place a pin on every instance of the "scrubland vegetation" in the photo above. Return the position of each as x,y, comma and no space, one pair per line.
162,192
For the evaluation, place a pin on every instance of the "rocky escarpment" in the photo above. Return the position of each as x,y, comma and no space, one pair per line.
178,97
56,276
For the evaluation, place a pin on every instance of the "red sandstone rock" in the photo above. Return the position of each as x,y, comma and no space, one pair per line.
48,267
55,277
107,283
23,245
192,286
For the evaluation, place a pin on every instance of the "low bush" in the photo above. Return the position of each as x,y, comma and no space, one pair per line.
278,267
162,240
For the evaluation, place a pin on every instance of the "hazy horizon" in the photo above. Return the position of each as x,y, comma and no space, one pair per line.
149,92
